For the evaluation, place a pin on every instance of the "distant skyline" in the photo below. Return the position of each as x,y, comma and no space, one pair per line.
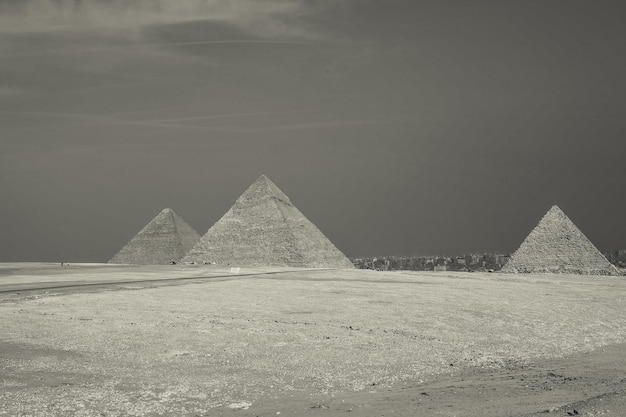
398,128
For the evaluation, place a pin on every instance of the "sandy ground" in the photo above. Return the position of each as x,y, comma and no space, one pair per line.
199,341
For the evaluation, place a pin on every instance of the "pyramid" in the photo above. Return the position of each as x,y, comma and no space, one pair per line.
263,228
165,239
556,245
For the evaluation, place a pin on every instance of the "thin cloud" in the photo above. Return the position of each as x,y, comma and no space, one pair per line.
86,120
107,120
265,17
171,122
51,114
324,125
237,129
10,91
226,116
78,51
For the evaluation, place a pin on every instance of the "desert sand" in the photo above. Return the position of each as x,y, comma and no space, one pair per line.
186,340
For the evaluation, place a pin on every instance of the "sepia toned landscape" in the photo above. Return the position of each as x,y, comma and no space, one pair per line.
104,340
274,208
265,316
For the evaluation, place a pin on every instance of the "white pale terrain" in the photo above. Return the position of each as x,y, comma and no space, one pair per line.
115,340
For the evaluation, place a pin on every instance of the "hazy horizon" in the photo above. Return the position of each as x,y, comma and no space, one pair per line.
409,127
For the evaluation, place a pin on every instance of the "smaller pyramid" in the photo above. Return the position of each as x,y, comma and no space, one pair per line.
556,245
263,228
164,240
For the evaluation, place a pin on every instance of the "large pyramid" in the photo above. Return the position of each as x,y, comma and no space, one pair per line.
556,245
263,228
165,239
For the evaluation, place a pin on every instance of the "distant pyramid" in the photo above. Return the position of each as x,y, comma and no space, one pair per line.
165,239
263,228
556,245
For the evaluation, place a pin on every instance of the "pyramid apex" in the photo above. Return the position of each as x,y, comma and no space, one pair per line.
555,208
263,187
167,213
264,178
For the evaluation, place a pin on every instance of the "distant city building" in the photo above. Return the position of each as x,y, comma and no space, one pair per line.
471,262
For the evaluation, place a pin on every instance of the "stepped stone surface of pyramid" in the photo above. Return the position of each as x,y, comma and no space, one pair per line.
263,228
167,238
556,245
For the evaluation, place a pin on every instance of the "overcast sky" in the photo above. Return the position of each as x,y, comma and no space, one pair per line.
397,127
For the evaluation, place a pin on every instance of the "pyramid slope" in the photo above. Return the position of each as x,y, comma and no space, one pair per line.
263,228
165,239
556,245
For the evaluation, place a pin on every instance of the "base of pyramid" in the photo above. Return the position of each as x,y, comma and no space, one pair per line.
251,263
561,270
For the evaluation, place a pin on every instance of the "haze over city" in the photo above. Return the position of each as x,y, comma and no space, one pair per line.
400,127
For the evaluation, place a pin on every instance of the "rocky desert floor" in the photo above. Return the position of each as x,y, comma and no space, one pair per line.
100,340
